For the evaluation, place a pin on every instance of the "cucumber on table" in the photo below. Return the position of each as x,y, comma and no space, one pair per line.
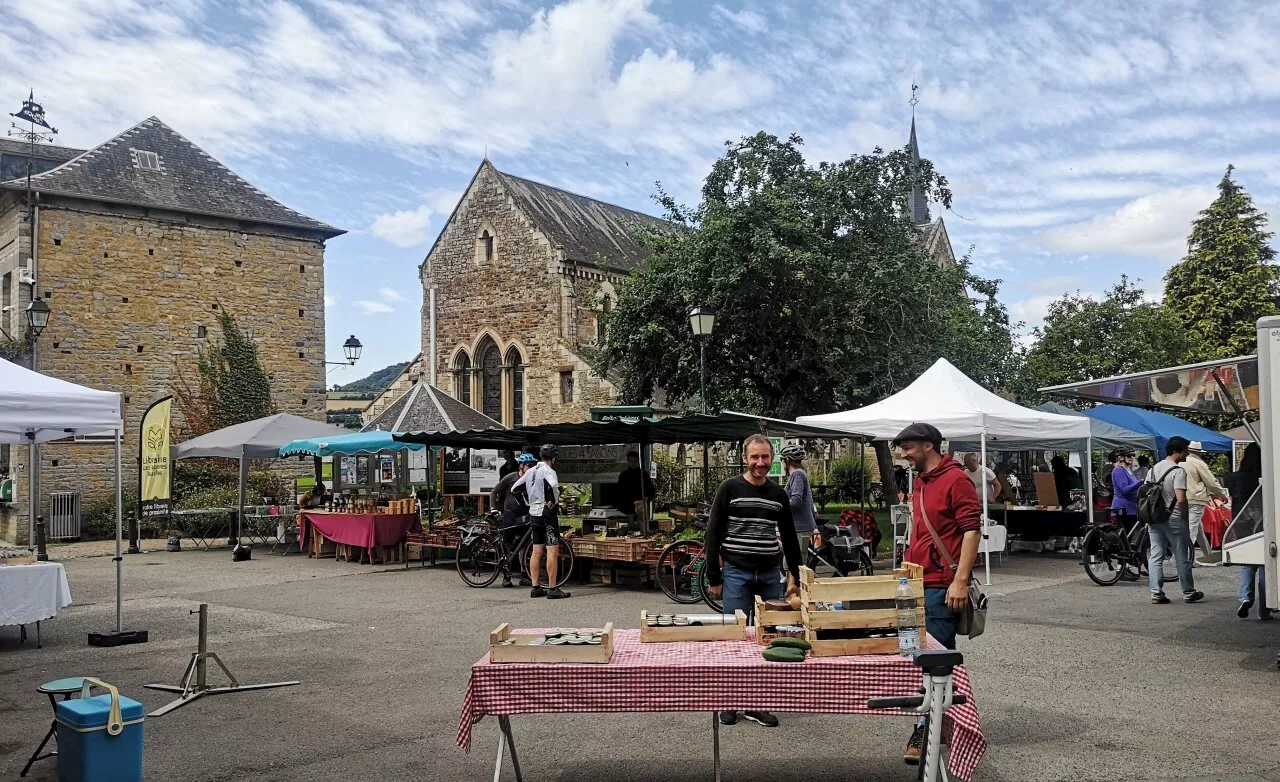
790,643
783,654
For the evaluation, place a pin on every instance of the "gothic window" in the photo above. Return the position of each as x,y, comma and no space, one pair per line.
566,387
462,377
515,365
606,307
490,379
486,244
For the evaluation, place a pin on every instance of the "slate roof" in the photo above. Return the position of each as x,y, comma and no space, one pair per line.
425,408
588,230
189,181
9,146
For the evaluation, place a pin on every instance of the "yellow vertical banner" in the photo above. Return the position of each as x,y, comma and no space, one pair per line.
154,495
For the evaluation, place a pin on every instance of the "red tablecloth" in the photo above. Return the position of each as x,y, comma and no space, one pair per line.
360,529
710,676
1215,524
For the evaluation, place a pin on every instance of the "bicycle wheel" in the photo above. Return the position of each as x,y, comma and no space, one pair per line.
1100,557
700,586
676,576
479,561
820,566
567,560
865,566
1142,547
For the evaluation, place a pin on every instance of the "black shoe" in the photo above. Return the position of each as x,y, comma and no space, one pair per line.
537,592
762,717
912,756
728,718
1194,597
1243,610
506,582
1265,615
1128,575
557,594
1159,599
525,582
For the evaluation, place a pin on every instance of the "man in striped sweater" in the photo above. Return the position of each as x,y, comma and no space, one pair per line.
751,529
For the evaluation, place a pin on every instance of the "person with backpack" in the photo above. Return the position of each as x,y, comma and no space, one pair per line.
1162,506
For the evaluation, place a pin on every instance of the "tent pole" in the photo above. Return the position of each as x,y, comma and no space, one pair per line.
244,477
1088,473
982,475
119,541
33,489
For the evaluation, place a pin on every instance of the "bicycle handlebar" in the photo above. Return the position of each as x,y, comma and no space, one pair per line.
909,702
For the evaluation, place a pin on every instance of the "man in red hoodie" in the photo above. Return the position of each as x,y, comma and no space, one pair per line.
943,493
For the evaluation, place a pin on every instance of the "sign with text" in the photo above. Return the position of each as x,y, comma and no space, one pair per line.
155,489
592,463
455,471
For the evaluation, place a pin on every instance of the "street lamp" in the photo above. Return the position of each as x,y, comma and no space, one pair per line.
37,315
703,321
351,349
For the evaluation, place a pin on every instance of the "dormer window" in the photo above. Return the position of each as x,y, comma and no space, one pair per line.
146,161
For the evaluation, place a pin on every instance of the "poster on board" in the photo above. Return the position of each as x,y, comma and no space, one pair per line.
775,469
418,466
592,463
484,470
386,469
455,471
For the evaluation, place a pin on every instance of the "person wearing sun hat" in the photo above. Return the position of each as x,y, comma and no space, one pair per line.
1202,487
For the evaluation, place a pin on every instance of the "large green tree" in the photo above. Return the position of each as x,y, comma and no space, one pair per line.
824,297
1228,278
1084,338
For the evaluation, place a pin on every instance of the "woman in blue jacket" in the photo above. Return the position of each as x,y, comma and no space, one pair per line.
1124,487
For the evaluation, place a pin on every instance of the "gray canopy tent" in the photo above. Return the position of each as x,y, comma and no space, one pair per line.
259,439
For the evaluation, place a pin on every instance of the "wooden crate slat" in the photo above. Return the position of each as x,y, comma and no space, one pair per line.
726,632
855,620
522,652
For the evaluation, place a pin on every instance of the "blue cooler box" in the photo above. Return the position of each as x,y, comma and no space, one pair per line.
87,753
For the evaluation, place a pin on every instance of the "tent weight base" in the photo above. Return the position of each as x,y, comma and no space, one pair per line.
188,697
121,638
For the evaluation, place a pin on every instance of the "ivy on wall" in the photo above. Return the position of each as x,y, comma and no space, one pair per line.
232,385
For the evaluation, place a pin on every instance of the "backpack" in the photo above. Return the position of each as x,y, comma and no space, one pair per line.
1152,508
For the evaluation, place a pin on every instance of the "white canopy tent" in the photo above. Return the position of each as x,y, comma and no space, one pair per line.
36,408
960,408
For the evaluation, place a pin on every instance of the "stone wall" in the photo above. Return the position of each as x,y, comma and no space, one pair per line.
136,294
520,297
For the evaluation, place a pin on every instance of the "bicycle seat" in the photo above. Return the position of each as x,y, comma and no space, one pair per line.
939,662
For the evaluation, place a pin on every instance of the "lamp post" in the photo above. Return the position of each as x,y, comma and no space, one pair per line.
351,350
702,320
37,318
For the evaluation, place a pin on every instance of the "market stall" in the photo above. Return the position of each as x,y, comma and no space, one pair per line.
1160,426
960,408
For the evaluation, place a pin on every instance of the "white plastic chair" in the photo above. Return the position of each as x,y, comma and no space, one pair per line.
996,542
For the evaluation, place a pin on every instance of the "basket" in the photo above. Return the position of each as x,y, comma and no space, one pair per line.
583,547
622,549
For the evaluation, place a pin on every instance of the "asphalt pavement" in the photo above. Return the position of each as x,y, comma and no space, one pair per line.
1072,681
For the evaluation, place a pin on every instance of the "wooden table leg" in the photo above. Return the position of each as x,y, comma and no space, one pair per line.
505,724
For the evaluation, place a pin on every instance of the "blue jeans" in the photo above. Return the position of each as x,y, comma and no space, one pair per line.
1247,574
742,585
1171,534
939,621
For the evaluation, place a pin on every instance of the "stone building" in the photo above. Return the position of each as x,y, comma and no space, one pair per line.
521,273
137,245
933,233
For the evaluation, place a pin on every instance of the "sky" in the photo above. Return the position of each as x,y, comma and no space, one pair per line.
1080,139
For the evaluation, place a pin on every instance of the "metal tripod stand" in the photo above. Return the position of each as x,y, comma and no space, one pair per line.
197,669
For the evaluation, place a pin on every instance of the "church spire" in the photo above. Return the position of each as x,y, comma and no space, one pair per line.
917,199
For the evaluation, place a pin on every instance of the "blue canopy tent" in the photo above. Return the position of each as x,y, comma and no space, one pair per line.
1160,425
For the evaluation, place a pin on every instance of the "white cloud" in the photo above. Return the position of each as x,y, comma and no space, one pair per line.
405,228
748,20
372,307
390,294
1155,225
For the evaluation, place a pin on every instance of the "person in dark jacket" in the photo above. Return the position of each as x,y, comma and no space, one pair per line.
944,494
1064,480
1242,484
635,489
514,515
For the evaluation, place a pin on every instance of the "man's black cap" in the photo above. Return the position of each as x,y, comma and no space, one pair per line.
921,433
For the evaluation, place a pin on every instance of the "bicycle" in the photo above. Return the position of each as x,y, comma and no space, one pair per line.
483,554
938,695
682,574
1109,553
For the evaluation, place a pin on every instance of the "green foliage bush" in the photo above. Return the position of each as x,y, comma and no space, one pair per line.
849,475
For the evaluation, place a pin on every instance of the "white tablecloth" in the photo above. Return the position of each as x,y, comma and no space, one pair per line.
31,593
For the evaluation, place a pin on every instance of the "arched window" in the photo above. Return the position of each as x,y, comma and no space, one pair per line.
515,366
462,377
490,359
606,306
486,245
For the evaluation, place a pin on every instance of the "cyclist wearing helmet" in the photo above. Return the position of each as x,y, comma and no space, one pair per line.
514,513
541,487
800,494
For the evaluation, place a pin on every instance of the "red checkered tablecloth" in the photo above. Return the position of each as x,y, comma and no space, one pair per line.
711,676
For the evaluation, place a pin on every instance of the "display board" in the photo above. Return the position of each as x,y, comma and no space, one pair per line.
592,463
455,471
484,470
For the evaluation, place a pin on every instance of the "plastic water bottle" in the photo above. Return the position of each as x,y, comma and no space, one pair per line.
908,621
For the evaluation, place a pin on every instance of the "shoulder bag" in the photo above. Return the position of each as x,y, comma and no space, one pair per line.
973,618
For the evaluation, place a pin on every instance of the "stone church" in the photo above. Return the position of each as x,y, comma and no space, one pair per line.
521,273
137,245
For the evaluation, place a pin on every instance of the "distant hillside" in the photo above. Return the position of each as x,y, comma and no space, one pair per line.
376,382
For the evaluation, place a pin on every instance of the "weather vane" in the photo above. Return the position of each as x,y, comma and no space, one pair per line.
914,100
32,113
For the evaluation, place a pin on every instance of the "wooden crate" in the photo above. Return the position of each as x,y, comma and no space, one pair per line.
321,546
636,576
724,632
766,619
869,605
622,549
521,652
584,547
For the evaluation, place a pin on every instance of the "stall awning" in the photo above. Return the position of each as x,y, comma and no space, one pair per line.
347,444
1160,425
1190,388
1106,436
258,439
51,409
727,426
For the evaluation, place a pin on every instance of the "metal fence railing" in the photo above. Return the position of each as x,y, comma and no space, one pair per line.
64,515
685,484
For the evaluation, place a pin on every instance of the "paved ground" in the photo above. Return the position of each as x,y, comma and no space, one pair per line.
1073,681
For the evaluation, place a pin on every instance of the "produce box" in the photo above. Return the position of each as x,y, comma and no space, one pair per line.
868,622
622,549
737,631
508,647
766,619
584,547
682,513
